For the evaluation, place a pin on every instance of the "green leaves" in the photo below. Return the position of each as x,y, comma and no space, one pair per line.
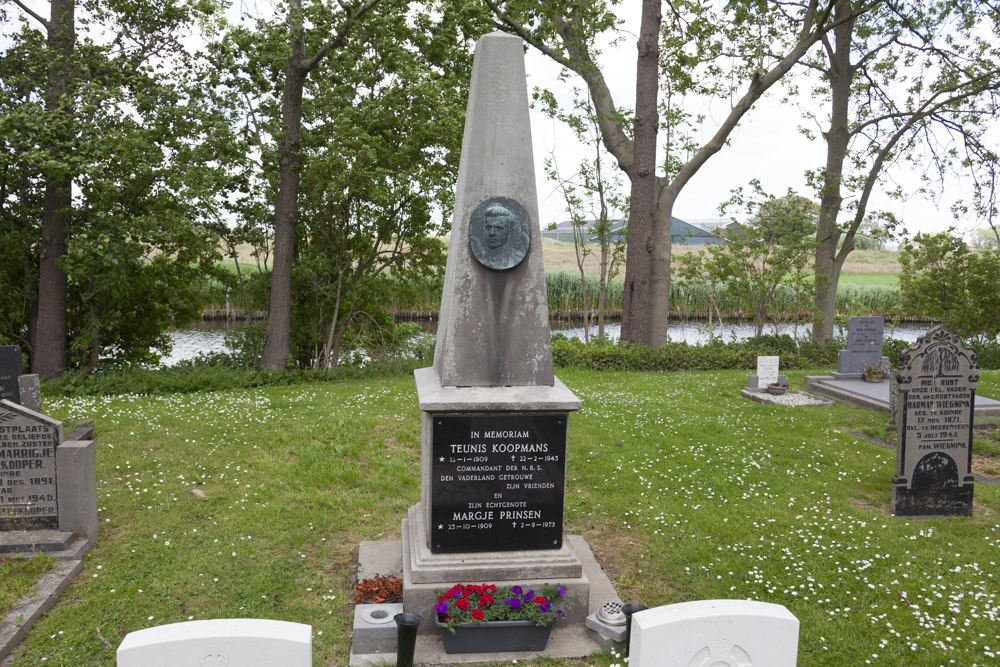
942,278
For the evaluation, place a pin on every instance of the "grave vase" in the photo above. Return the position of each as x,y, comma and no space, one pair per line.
494,637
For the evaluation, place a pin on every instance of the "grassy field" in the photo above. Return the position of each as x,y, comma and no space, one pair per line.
252,503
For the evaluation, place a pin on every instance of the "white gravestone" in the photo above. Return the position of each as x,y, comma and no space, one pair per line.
713,633
767,370
232,642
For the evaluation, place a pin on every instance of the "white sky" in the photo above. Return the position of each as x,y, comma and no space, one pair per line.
766,145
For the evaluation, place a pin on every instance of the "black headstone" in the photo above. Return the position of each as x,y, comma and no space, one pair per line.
497,482
10,370
936,383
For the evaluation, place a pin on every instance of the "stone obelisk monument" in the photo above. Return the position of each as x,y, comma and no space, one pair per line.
494,417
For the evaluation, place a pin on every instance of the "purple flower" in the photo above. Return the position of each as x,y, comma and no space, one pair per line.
561,591
530,594
544,607
560,612
458,594
516,590
515,603
441,608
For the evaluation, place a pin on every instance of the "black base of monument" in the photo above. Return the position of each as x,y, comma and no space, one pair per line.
932,500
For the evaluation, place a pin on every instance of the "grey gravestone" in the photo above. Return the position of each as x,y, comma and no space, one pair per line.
936,381
28,494
10,371
31,392
864,347
494,327
767,373
494,416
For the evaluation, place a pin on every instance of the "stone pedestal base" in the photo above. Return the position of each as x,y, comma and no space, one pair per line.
937,500
424,573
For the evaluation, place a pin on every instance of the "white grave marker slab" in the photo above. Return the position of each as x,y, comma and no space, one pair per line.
767,370
713,633
232,642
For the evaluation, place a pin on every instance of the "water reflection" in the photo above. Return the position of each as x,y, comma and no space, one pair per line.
207,337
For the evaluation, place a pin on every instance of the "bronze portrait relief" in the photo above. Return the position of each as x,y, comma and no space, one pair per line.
499,236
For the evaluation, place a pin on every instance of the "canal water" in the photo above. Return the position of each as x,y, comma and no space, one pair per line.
210,336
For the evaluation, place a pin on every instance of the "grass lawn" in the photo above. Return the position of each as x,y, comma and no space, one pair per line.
252,503
884,280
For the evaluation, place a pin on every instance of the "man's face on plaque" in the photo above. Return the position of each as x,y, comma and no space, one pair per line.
497,229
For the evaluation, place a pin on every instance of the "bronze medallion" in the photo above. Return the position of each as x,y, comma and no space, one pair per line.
499,236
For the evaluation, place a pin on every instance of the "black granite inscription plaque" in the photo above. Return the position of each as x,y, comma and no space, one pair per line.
499,233
498,482
937,382
27,471
10,370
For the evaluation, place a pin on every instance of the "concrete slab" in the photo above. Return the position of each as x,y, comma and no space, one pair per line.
33,541
385,557
875,395
37,602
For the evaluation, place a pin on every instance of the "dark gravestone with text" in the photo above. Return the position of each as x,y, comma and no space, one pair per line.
864,347
498,482
27,470
10,370
936,381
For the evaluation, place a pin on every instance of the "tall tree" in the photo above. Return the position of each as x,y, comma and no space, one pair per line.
47,335
379,124
338,25
759,41
910,82
140,147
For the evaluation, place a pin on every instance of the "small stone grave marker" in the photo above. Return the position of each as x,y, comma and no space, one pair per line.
244,642
767,373
710,633
10,371
28,496
864,347
936,380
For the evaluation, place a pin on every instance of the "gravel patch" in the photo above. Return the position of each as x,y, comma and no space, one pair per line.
792,398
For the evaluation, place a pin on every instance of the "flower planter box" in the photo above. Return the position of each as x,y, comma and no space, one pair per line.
494,637
777,390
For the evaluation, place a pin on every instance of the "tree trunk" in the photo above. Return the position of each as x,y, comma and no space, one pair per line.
659,268
278,345
49,355
827,267
637,308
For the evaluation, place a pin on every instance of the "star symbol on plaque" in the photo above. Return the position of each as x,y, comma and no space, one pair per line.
441,459
440,526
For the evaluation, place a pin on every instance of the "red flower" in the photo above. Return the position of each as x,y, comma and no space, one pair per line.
441,599
539,600
462,604
477,614
485,600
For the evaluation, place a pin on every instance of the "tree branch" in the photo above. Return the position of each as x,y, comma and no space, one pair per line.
32,14
343,30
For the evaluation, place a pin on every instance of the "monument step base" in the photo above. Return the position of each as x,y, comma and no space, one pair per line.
949,501
420,597
566,641
425,567
33,541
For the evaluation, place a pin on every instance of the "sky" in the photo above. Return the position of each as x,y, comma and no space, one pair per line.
766,146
